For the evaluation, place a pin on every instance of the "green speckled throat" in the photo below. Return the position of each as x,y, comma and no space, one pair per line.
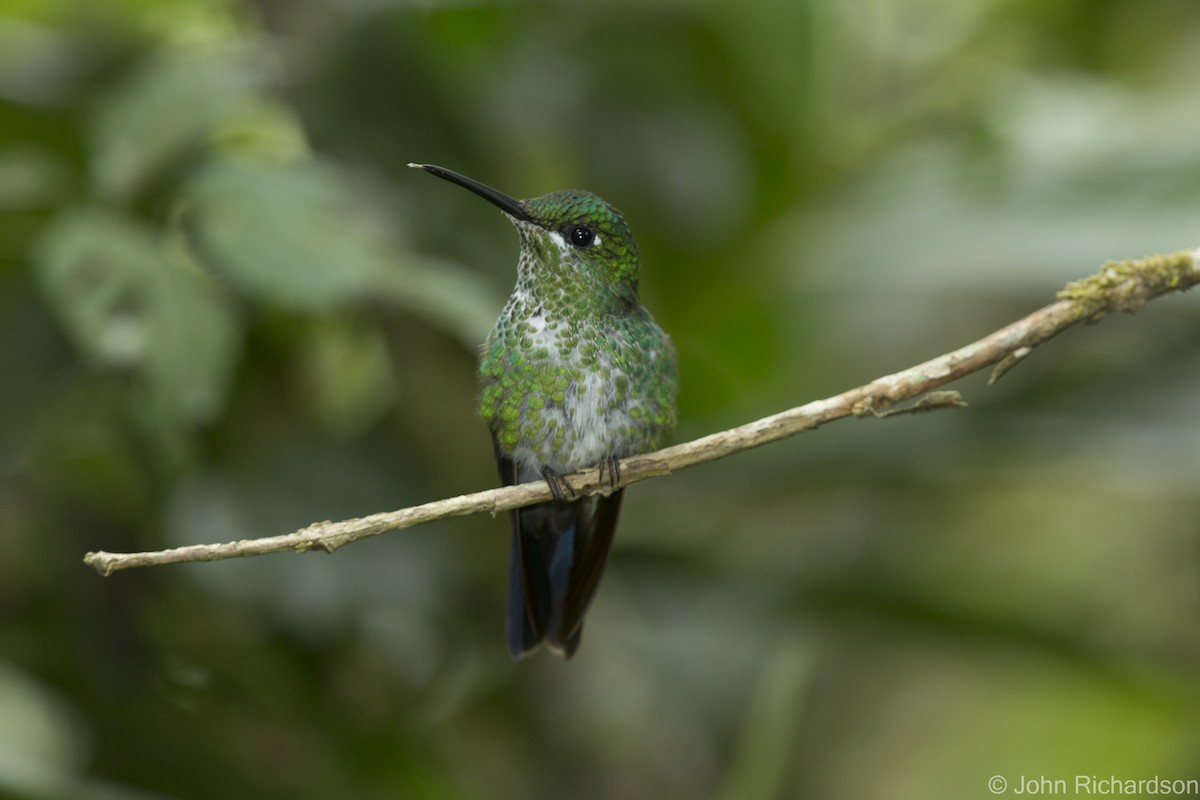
575,369
607,267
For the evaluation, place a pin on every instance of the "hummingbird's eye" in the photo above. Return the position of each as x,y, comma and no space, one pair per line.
582,237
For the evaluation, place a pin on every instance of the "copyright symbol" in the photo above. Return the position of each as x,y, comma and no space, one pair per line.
997,784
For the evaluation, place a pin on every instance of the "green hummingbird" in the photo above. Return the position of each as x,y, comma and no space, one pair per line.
575,373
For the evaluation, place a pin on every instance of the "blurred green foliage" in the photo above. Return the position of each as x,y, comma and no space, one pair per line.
228,310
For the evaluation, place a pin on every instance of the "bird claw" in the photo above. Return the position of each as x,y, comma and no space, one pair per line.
560,487
609,469
612,466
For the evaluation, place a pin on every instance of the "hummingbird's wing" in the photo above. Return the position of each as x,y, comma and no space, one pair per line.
540,566
590,557
526,625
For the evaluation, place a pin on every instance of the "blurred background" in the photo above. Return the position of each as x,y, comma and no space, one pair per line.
227,310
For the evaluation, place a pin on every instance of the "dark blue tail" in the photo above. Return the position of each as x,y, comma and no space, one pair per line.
558,555
559,550
544,545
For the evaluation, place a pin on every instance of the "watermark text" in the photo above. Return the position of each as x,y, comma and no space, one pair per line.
1092,786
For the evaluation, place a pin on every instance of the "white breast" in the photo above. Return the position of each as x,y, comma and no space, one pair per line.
593,431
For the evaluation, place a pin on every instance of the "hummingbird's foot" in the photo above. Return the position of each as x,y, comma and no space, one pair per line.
612,465
560,487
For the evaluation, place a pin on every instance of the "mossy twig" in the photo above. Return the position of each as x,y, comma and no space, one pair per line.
1118,286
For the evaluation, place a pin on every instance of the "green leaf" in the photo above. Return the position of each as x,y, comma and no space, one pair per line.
286,233
42,750
168,106
299,236
95,268
193,346
130,300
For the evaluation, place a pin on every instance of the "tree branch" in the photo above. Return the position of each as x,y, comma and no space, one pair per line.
1118,286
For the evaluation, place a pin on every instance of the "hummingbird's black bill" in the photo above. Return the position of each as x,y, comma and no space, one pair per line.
508,205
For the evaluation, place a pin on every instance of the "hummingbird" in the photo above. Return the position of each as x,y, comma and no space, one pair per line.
574,374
